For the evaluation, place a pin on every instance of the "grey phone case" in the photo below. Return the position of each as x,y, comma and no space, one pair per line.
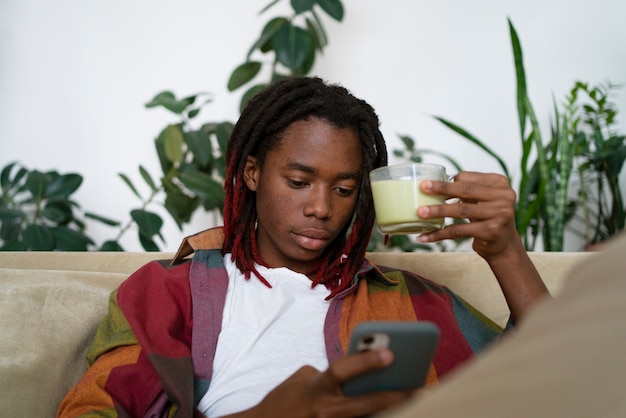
413,345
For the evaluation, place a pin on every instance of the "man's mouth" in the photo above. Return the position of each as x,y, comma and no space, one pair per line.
313,240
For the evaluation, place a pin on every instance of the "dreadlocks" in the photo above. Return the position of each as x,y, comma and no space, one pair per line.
259,130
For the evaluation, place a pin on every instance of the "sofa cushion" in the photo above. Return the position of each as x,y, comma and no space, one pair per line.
48,319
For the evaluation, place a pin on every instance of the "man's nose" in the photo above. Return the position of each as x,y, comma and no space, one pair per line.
319,204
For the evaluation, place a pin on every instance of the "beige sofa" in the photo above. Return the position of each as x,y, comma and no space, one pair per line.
51,304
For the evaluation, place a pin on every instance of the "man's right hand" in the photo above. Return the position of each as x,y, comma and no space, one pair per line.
310,393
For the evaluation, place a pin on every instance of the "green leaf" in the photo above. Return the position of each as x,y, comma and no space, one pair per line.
67,239
38,238
11,229
147,178
520,75
475,141
173,141
180,206
334,8
149,223
61,187
78,223
36,183
57,212
193,113
102,219
529,204
409,143
243,74
546,186
203,185
273,2
292,45
452,161
252,91
161,98
179,106
199,144
111,246
189,100
14,246
20,176
307,65
219,166
168,101
319,40
323,37
166,164
301,6
5,175
147,243
268,32
130,184
223,131
8,214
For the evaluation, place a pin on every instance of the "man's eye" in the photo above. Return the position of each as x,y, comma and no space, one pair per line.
342,191
295,183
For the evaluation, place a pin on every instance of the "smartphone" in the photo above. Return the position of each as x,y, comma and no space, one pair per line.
413,345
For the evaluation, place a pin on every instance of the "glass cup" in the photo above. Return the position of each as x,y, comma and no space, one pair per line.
397,196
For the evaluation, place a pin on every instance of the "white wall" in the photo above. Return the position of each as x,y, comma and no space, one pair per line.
74,76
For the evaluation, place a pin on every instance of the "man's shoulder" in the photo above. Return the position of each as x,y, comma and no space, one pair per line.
209,239
156,274
414,282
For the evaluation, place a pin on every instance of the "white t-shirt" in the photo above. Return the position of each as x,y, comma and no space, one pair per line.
267,334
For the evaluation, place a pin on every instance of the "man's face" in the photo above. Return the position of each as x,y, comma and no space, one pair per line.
306,192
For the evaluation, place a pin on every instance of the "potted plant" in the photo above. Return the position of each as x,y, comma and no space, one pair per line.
192,159
38,212
582,144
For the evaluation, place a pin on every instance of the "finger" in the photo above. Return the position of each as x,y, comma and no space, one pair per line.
488,179
467,191
455,231
488,230
463,210
366,405
472,188
347,367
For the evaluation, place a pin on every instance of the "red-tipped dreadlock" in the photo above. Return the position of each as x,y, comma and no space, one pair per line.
259,130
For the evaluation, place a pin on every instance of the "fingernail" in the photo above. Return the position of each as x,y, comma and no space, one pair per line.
423,211
386,356
426,185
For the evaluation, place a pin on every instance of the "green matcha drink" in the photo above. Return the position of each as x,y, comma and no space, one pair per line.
397,197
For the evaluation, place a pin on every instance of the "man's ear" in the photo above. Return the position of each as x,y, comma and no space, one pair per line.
251,173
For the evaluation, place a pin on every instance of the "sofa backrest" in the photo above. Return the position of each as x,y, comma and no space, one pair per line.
471,278
52,302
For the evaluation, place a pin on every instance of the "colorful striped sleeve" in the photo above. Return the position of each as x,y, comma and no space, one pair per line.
122,379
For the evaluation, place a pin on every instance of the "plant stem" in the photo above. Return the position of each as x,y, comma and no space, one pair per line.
144,205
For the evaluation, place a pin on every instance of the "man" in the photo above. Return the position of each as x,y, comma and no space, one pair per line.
258,322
